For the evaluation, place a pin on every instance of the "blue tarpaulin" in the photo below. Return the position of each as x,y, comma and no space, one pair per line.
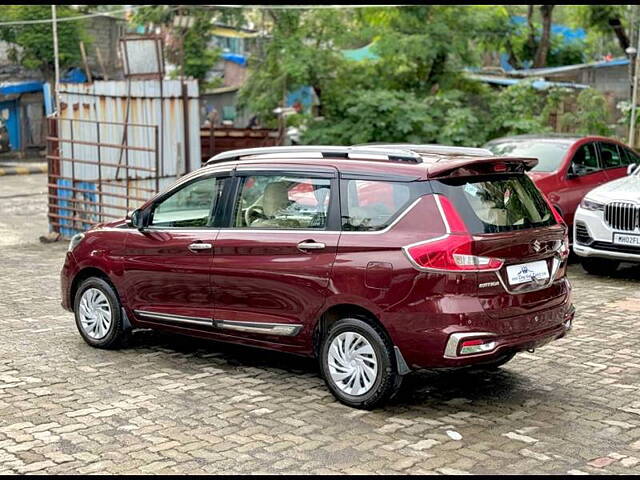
74,75
569,35
235,58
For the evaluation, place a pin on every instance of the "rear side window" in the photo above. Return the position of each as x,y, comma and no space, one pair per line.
492,204
369,205
610,155
630,157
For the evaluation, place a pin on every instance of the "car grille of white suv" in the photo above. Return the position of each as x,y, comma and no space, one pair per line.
622,216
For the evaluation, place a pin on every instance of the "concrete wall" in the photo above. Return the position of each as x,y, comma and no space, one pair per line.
106,32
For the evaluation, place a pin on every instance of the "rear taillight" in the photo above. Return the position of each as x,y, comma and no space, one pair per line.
453,252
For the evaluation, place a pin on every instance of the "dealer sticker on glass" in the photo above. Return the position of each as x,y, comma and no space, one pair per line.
528,272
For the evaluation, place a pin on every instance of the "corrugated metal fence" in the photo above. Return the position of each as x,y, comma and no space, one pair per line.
113,144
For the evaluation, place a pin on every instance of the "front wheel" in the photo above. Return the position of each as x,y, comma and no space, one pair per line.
357,363
98,314
599,266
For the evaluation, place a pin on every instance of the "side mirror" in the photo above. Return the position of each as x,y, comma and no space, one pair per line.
573,171
137,219
632,168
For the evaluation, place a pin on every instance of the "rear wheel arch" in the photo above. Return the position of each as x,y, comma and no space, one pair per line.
336,312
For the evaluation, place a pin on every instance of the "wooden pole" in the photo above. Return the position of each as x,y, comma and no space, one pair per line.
101,63
56,56
85,63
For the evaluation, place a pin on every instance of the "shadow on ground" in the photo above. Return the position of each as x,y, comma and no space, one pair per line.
421,388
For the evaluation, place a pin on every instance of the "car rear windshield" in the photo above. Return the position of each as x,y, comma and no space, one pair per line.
497,203
549,154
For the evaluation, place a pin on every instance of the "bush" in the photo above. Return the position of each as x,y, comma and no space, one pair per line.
591,115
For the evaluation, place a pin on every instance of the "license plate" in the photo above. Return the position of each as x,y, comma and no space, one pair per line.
630,240
528,272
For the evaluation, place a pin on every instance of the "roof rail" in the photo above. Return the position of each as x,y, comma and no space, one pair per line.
353,153
430,148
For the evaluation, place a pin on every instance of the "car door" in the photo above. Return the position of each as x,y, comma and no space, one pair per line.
614,161
584,174
167,266
272,265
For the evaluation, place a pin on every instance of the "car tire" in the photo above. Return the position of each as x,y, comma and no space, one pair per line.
599,266
496,363
357,362
98,314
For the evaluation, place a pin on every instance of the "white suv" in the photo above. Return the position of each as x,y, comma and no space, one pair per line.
607,224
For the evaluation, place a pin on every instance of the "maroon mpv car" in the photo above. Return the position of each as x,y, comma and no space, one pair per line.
375,261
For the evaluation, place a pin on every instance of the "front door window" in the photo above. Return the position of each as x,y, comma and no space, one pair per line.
190,207
585,160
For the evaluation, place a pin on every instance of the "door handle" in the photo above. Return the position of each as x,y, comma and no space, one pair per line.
196,247
311,245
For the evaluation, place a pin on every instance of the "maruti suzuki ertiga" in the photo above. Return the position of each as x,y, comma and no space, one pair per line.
375,261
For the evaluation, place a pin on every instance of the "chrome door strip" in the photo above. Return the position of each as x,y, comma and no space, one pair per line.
285,329
203,322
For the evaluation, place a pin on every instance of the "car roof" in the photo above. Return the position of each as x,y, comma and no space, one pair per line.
434,160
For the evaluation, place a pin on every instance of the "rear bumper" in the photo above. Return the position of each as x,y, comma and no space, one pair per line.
441,348
519,342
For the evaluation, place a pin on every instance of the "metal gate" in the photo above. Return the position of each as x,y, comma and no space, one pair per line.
99,171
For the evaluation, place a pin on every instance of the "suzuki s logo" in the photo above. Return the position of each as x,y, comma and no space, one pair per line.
536,246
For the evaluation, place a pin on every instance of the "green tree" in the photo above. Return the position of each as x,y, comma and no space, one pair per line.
32,44
301,51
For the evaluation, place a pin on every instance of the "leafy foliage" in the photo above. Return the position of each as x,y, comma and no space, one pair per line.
35,41
591,114
302,51
518,109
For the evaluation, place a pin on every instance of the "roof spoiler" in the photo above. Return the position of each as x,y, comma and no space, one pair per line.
485,166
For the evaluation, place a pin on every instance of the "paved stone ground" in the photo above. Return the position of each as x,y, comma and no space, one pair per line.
178,405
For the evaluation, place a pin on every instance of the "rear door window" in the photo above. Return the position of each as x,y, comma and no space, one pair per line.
492,204
611,156
283,202
369,205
